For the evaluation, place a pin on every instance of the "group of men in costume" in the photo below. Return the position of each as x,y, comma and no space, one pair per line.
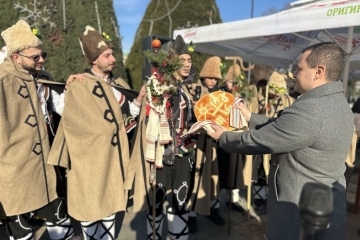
98,111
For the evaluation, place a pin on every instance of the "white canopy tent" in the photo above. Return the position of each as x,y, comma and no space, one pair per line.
277,40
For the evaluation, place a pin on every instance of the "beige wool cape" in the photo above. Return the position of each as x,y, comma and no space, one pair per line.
91,142
138,173
27,183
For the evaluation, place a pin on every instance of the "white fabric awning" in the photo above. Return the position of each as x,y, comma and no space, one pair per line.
277,40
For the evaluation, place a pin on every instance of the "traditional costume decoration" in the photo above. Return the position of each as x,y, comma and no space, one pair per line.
93,44
191,47
36,31
159,87
277,83
209,70
19,37
235,75
179,46
106,36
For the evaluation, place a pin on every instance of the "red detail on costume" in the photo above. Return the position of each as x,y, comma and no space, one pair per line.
130,126
168,104
168,113
121,100
153,71
147,109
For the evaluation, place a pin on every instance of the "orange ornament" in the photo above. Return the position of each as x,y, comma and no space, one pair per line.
156,43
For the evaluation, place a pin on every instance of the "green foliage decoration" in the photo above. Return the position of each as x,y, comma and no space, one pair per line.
162,82
187,11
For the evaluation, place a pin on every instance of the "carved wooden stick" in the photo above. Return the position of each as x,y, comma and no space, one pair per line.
241,62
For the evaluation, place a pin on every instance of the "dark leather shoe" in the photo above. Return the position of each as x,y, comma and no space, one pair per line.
216,218
192,225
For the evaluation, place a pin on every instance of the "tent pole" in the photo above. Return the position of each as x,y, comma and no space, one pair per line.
331,37
347,61
306,38
252,15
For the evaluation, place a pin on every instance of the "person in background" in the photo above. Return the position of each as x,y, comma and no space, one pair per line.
279,98
231,165
261,90
205,194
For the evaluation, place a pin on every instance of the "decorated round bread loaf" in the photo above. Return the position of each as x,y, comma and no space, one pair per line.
216,107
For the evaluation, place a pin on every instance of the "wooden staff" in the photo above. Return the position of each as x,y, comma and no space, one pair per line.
229,168
266,99
156,44
238,58
153,187
230,190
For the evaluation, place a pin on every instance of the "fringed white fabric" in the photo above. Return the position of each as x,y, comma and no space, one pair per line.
157,135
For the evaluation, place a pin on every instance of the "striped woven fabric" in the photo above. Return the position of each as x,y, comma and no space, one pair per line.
237,119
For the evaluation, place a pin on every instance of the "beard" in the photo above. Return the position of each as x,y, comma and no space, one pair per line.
32,68
106,68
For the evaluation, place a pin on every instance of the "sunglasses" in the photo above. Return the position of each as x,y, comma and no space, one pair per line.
35,58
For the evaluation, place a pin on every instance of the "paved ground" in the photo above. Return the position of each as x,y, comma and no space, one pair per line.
131,226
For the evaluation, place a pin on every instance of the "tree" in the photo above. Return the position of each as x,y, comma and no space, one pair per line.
161,18
273,10
59,36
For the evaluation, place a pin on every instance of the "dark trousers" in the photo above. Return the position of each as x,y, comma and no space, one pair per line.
18,226
177,179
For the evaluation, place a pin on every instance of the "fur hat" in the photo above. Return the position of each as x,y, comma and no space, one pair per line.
93,44
277,83
211,68
180,46
233,73
19,37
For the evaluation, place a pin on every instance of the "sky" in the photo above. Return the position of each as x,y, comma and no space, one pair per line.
129,14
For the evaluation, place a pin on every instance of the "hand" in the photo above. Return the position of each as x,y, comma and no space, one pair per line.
217,132
141,95
78,77
244,110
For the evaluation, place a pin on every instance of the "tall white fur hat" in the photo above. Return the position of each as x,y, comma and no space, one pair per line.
19,37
